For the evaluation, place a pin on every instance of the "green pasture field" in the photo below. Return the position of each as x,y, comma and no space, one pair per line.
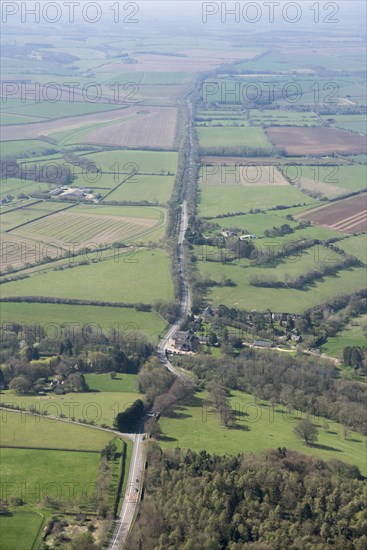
232,136
53,469
165,78
353,334
25,146
248,297
142,276
355,246
125,319
354,123
144,187
29,213
20,530
8,119
146,162
100,407
15,186
329,180
25,430
223,199
278,117
104,383
262,426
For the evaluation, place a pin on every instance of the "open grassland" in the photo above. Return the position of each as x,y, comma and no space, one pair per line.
355,246
328,180
279,117
144,187
144,162
232,137
260,426
245,296
54,471
100,407
316,141
125,319
25,146
15,186
25,430
353,123
103,382
151,127
353,334
346,216
20,530
141,276
91,226
222,199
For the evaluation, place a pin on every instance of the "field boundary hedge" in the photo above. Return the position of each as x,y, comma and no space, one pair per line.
49,449
75,302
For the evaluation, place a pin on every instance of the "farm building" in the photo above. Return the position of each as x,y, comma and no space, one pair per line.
263,344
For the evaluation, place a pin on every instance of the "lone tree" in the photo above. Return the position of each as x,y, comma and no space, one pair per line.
307,431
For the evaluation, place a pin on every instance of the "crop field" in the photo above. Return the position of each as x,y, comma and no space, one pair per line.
220,199
72,123
278,117
316,141
152,188
246,174
145,162
27,213
25,430
20,530
100,406
262,426
89,227
346,216
232,136
56,110
243,295
16,251
127,320
129,279
353,334
152,127
328,180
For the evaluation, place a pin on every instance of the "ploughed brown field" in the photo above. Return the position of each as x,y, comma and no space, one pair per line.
346,216
316,141
150,127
